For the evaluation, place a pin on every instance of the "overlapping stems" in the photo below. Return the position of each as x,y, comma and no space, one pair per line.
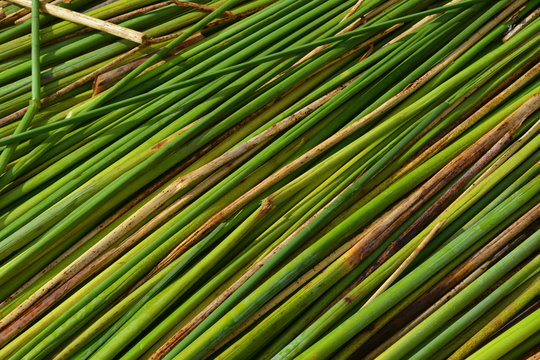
234,198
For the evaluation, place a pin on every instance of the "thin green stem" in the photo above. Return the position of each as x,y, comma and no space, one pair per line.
35,102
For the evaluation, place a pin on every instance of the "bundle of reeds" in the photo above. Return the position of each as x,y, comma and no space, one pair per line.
270,179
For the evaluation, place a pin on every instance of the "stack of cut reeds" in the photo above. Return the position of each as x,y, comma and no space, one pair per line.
270,179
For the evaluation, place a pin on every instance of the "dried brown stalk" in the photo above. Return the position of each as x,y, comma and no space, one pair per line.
405,263
86,20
